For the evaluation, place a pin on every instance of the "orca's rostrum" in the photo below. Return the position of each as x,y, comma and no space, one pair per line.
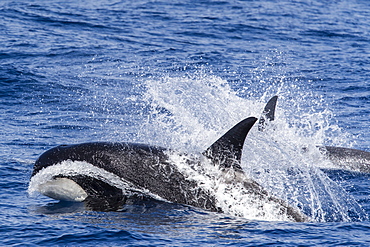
113,173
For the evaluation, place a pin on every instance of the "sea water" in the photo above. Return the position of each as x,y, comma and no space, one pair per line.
179,74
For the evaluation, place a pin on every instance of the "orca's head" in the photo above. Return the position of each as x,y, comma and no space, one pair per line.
51,157
95,193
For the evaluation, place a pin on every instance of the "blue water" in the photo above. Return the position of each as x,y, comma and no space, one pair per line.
179,74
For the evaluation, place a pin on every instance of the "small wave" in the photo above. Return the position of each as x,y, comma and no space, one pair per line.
68,127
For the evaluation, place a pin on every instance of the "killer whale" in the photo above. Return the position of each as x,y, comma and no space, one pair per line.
347,158
148,172
341,157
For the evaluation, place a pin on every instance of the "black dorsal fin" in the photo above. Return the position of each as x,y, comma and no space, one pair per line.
268,113
227,151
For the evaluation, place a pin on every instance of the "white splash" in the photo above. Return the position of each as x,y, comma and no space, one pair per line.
228,188
189,113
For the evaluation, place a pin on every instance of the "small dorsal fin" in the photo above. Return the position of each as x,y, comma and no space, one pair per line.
268,113
227,151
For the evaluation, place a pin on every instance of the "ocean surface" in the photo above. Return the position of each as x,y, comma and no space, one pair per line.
179,74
